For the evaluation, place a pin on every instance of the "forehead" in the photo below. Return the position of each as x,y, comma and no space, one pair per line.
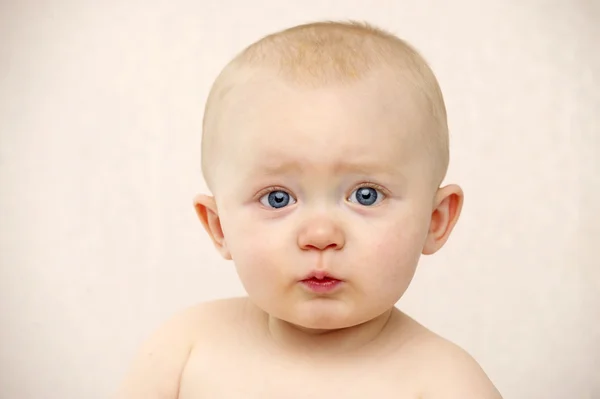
375,122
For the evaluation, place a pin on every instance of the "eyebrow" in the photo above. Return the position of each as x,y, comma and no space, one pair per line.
275,168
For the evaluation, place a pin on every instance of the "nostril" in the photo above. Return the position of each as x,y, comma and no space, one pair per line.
321,248
321,237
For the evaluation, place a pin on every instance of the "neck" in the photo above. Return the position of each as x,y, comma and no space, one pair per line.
300,340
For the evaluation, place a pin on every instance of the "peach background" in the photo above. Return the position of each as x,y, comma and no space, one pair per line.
100,115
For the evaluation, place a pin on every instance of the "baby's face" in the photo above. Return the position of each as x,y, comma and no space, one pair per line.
324,181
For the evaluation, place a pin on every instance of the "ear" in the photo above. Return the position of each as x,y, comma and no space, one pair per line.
447,206
206,209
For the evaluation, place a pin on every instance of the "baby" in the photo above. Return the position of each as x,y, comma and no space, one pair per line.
324,146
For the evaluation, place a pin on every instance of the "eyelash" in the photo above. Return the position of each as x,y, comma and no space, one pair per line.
269,190
371,185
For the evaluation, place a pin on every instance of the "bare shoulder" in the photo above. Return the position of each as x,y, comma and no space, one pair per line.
156,370
446,371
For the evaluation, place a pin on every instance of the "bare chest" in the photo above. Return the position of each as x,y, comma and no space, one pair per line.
268,378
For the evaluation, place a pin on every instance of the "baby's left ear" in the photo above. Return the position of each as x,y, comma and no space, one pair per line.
447,206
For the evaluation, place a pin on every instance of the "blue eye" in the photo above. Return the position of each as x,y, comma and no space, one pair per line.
366,196
277,199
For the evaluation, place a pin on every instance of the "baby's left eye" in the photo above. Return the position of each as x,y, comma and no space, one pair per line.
367,196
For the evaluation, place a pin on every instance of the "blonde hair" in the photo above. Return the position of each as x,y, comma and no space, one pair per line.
328,53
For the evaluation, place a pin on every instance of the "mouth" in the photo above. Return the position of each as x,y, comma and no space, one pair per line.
321,282
320,275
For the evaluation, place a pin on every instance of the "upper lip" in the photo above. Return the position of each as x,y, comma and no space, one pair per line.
320,275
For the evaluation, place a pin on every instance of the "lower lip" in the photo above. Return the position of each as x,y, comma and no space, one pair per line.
324,285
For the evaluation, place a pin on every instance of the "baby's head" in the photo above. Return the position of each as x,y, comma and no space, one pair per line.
324,146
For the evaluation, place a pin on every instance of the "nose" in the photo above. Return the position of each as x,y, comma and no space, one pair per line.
321,234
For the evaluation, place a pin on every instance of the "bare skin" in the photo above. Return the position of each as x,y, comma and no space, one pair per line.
317,150
225,349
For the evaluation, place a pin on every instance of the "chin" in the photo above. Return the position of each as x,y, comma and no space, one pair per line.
319,321
318,316
320,326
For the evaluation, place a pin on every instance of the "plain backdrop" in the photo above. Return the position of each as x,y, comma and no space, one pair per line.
100,118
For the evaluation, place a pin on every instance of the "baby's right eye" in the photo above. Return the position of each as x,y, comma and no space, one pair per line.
277,199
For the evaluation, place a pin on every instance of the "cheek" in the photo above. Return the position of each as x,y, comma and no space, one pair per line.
255,248
394,249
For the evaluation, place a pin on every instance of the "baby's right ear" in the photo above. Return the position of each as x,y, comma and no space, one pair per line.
206,209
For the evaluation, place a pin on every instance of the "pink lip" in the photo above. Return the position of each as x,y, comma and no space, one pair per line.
321,282
319,275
